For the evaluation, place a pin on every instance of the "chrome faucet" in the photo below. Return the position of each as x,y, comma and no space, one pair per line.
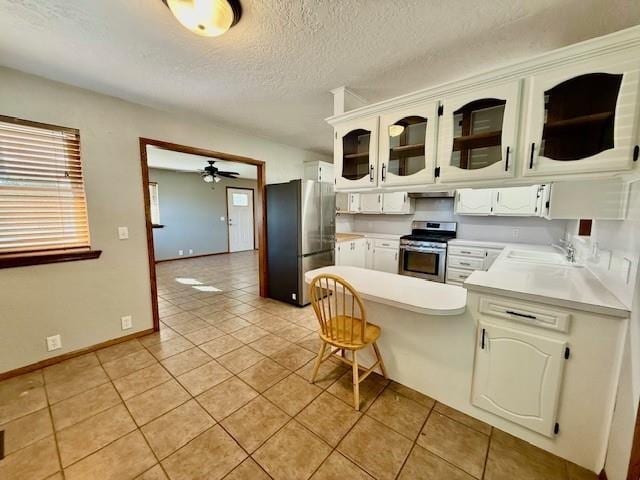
568,249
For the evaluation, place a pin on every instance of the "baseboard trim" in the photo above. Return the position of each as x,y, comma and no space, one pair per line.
66,356
602,475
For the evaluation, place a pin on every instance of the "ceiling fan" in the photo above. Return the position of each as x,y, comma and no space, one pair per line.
211,174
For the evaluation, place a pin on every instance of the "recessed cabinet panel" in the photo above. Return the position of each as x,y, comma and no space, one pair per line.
517,376
582,122
371,203
355,154
473,201
518,201
478,134
407,146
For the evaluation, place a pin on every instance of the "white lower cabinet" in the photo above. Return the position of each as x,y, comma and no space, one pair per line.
351,253
517,375
385,259
463,260
368,262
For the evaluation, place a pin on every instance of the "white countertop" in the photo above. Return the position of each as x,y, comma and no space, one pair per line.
564,286
384,236
407,293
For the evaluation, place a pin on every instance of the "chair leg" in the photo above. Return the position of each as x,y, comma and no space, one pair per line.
318,361
356,382
377,351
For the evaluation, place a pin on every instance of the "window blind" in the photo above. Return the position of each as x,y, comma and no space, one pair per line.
155,203
42,198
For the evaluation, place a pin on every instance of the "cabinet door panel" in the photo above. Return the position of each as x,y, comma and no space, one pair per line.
518,201
517,375
474,201
395,202
582,120
478,134
385,260
371,202
407,145
356,153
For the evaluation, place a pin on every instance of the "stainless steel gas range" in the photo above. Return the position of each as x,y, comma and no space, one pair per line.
423,254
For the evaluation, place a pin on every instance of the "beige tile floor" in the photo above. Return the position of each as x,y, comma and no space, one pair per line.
222,391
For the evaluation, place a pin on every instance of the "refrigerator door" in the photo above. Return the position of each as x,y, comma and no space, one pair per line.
311,262
327,216
310,218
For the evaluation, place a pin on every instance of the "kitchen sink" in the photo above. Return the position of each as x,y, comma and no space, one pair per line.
538,257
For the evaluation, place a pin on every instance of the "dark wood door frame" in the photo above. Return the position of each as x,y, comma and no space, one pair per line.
253,201
259,217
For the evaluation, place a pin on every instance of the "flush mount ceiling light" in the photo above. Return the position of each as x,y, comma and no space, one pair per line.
209,18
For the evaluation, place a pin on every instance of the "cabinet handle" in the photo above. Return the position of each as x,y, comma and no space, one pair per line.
465,264
465,251
384,172
484,332
396,255
506,163
533,147
371,173
524,315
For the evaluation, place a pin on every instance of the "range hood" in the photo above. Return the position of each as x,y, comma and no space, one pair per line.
443,194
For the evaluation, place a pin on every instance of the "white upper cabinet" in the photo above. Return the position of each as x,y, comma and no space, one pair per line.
472,201
518,201
478,133
582,120
370,203
356,154
408,146
396,202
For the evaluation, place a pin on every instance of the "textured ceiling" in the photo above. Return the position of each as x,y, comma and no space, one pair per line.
187,162
271,74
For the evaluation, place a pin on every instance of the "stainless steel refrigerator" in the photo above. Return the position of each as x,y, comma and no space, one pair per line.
301,233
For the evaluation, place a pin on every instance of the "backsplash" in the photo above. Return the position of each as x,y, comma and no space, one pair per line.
497,229
612,252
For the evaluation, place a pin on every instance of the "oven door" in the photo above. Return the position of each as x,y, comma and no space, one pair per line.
427,263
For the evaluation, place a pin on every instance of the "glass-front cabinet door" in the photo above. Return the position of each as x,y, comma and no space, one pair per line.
478,133
582,121
356,153
408,146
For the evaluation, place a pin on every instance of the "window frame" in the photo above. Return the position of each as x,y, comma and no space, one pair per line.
154,206
53,255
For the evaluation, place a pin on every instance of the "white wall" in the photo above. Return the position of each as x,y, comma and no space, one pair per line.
83,301
498,229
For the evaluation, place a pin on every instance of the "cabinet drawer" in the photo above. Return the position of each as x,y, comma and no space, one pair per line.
467,251
457,276
381,243
541,316
465,262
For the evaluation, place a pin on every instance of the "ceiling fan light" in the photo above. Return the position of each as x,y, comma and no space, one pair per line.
217,179
208,18
208,178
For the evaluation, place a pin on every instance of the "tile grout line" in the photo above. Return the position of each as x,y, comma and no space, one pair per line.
53,426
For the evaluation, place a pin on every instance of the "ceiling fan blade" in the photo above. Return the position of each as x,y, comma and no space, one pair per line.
227,173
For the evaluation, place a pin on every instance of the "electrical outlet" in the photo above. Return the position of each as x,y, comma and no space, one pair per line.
126,322
180,252
123,233
191,251
54,342
222,219
516,233
293,296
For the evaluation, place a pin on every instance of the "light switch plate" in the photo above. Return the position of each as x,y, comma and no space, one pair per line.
127,322
191,251
123,233
180,252
54,342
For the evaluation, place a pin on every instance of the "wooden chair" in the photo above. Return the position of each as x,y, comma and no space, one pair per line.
343,324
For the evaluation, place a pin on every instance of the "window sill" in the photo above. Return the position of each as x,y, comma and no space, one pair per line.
41,258
157,225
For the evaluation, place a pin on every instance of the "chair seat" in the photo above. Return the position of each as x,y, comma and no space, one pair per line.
341,326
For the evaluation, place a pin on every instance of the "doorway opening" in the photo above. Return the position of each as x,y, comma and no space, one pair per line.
232,174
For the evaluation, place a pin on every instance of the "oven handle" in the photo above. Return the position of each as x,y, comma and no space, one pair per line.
423,250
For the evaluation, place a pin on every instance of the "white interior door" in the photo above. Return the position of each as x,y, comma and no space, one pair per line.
240,219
